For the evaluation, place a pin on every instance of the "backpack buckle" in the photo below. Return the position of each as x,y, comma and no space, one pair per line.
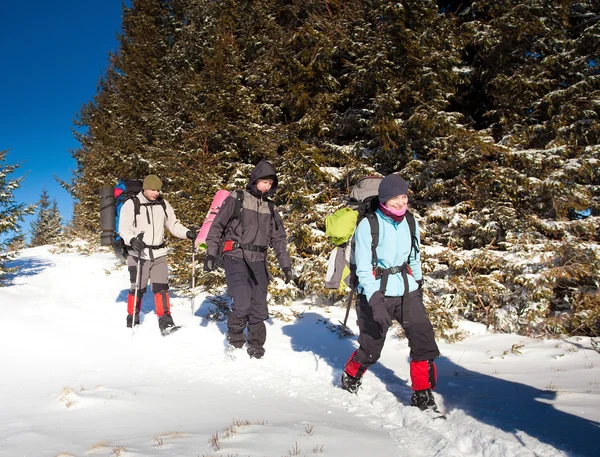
378,272
230,245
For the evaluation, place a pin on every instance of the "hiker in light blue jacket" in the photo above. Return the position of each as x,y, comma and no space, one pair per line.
390,282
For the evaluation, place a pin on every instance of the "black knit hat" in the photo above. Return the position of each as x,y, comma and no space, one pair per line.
391,186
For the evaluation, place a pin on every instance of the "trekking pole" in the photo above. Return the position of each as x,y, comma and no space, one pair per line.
193,276
350,297
138,280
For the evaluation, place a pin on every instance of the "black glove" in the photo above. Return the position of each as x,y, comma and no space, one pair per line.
191,234
420,283
287,271
380,312
210,263
137,244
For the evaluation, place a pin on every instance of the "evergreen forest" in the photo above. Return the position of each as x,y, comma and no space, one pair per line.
490,109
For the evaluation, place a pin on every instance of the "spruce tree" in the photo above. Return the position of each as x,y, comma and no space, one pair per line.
11,214
39,225
47,226
17,242
55,223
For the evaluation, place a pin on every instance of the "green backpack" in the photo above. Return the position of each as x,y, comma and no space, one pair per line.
340,227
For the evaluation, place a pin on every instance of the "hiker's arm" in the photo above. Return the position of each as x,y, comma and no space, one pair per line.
414,261
173,224
362,255
126,228
279,241
213,238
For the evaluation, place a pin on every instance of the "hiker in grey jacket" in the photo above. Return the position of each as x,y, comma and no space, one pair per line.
142,227
247,228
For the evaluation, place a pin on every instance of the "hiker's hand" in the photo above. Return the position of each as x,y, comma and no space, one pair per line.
287,271
210,263
380,313
420,283
137,244
191,234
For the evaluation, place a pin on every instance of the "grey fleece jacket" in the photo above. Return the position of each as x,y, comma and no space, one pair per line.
152,220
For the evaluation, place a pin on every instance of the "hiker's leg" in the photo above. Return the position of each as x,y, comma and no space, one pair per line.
421,340
259,312
159,278
239,289
141,287
371,339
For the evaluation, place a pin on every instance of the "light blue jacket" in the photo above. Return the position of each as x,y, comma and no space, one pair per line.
392,250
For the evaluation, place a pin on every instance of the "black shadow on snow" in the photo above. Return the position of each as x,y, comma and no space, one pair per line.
514,407
508,406
28,266
206,306
310,333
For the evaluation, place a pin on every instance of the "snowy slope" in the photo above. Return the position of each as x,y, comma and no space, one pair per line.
75,382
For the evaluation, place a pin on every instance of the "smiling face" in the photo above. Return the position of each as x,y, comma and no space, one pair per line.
397,203
151,195
264,185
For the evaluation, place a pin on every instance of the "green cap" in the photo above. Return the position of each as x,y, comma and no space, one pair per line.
152,182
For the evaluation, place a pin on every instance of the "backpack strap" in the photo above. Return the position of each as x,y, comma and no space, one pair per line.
162,203
137,204
239,204
414,242
272,209
136,209
237,209
374,224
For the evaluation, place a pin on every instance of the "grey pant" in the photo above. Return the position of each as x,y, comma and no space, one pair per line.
154,270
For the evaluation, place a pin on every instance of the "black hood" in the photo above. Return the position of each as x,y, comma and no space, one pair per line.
263,169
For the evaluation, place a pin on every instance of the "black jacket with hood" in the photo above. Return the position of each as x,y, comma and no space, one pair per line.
256,225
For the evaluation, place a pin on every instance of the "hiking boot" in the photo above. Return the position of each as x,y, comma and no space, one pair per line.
237,340
130,318
165,321
423,399
350,383
256,352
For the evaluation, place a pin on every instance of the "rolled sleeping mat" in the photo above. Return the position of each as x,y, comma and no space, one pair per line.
107,215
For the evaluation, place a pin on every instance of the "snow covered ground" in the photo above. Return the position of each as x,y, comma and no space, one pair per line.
75,382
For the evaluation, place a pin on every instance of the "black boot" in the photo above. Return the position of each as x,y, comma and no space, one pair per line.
165,321
237,340
350,383
423,399
256,352
136,321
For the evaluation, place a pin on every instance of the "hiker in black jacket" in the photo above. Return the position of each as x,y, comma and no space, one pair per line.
247,226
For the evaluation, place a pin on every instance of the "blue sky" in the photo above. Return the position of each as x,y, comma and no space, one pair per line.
52,54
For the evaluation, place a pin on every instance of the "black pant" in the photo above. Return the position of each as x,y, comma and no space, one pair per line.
247,284
417,327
